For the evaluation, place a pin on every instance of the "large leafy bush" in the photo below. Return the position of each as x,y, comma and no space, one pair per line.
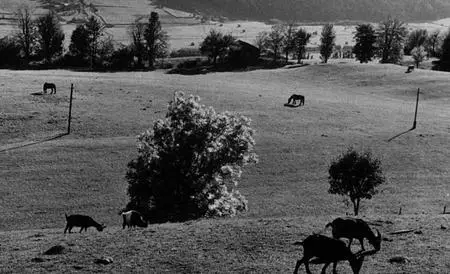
189,164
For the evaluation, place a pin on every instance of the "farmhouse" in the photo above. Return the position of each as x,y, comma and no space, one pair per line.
243,54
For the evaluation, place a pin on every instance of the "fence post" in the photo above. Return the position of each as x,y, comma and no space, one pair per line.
417,104
70,108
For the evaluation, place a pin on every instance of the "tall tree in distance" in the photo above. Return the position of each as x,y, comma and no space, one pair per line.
156,38
136,33
365,38
26,35
444,61
274,40
94,31
416,38
216,45
391,36
79,42
50,36
432,43
301,39
327,40
288,45
260,41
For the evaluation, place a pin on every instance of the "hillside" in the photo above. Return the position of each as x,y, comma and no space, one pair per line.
346,104
318,10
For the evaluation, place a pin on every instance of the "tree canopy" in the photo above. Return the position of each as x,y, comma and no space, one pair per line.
189,163
355,175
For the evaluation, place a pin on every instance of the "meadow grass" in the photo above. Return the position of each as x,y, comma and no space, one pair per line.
346,105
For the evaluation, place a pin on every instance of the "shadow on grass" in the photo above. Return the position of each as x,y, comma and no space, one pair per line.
31,143
291,106
400,134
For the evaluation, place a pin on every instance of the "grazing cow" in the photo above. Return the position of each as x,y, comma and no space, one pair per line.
133,218
50,86
327,250
81,221
353,228
295,97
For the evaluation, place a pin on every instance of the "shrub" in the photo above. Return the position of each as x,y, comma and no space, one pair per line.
189,164
355,175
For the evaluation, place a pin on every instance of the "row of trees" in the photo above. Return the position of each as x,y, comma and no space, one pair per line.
42,40
283,39
388,41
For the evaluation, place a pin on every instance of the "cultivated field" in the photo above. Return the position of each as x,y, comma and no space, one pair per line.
346,105
183,28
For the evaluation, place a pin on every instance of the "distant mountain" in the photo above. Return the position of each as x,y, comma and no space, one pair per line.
316,10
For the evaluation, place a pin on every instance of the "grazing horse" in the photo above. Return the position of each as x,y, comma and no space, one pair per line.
50,86
410,69
295,97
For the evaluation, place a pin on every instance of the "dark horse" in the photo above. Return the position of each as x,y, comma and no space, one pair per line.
296,97
50,86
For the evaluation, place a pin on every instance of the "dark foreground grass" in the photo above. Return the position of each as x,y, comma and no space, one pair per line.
260,245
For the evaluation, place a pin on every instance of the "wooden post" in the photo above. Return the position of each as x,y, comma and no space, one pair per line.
417,105
70,108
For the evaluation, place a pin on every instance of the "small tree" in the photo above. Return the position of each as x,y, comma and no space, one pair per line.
189,163
50,36
157,39
216,45
418,54
391,35
301,39
365,38
355,175
327,42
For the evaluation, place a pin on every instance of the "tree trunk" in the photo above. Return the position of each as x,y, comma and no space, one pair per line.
356,206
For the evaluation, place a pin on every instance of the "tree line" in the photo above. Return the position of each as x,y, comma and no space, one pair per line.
40,43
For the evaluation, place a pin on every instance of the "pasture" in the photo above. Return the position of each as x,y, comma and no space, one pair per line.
347,104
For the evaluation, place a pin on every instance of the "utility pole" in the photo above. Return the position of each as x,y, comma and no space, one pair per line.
70,108
417,105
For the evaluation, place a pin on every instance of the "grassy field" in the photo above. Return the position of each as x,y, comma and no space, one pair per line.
347,104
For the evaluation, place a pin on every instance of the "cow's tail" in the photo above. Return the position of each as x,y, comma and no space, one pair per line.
329,225
298,243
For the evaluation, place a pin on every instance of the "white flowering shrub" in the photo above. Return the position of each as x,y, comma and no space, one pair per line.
189,164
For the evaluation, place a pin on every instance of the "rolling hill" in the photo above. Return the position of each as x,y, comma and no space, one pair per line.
318,10
360,105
